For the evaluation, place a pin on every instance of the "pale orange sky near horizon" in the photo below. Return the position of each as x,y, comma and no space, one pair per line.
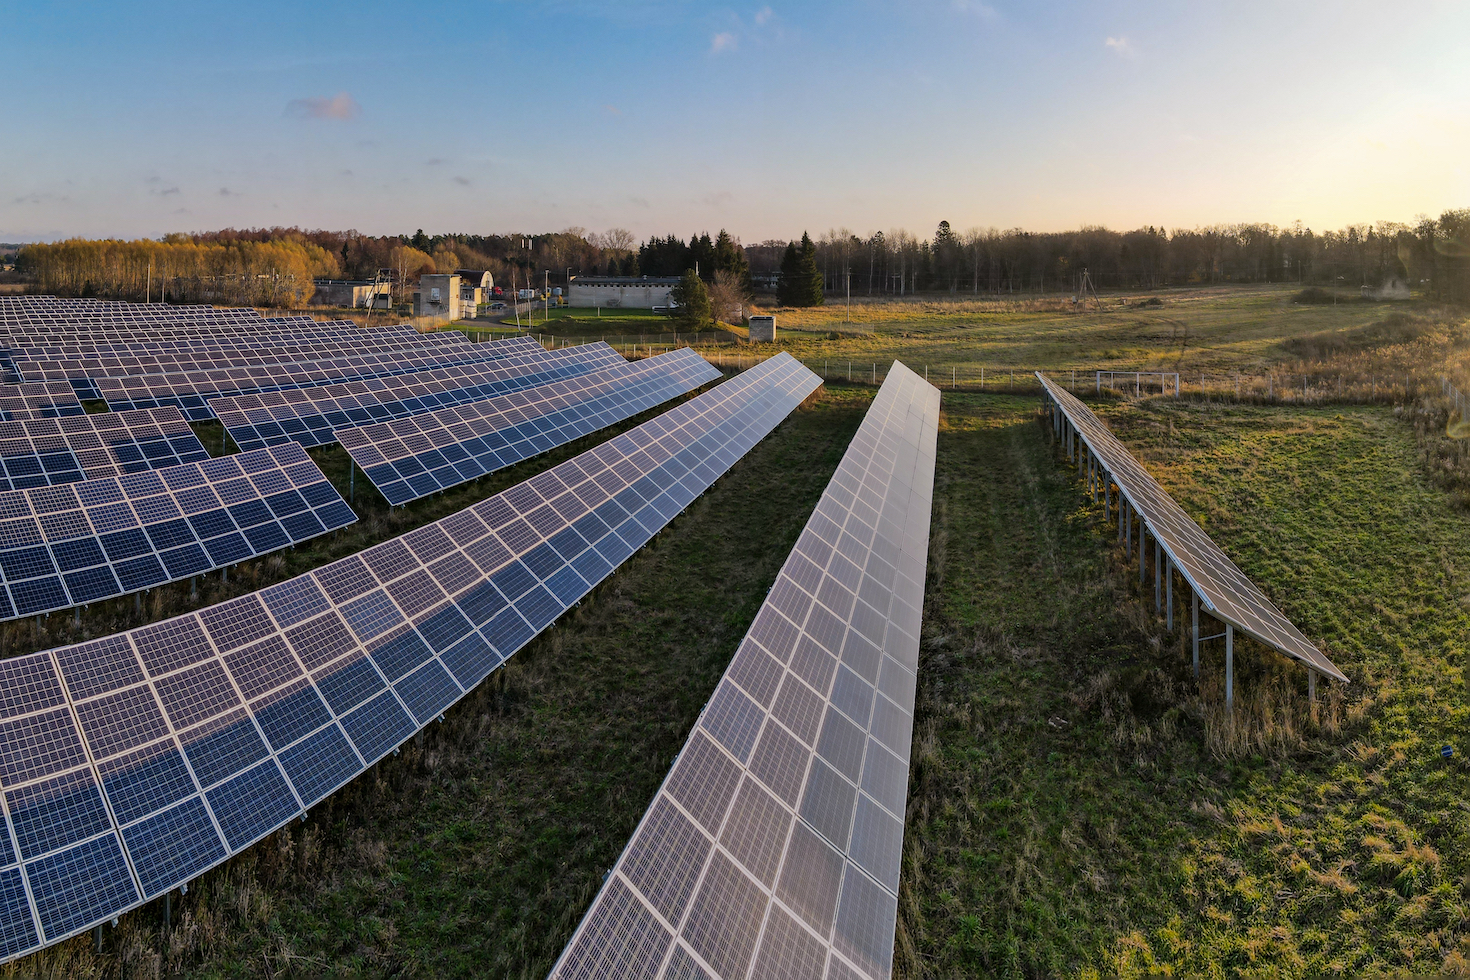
766,119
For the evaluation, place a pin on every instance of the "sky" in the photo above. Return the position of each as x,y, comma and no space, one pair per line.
136,119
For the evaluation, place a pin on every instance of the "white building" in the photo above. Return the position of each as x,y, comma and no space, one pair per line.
626,292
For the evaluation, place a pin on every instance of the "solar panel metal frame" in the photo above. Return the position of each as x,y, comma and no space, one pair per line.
173,746
773,846
311,415
1227,593
77,543
418,455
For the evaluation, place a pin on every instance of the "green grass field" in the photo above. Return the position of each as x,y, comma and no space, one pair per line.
1079,805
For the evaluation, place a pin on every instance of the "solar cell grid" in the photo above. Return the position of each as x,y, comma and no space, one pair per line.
42,452
311,416
221,776
423,454
190,390
1225,590
78,543
773,847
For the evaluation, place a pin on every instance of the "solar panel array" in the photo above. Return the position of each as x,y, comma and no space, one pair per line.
311,416
1224,589
773,847
422,454
134,763
191,390
48,399
76,543
221,354
44,452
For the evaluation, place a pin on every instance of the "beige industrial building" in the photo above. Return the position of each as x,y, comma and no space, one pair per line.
625,292
354,293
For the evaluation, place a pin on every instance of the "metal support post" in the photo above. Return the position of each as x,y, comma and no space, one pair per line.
168,908
1229,668
1128,532
1311,685
98,934
1169,590
1194,607
1142,552
1107,482
1158,575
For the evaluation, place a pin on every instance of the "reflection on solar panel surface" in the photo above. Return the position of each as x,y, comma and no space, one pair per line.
44,452
1224,589
311,416
76,543
190,390
423,454
773,847
131,764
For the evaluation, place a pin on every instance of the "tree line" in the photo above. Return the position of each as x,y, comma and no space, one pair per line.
274,266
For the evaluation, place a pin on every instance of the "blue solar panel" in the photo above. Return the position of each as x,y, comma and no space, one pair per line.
99,539
271,701
310,416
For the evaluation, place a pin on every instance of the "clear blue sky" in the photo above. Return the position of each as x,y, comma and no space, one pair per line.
140,118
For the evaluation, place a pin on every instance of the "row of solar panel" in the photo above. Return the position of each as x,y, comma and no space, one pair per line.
773,848
311,416
191,391
184,347
249,350
423,454
44,452
77,543
1225,590
134,763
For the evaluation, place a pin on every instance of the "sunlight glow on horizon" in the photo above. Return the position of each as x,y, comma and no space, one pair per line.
763,119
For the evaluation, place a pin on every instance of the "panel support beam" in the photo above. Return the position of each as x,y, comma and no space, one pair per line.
1230,668
1194,608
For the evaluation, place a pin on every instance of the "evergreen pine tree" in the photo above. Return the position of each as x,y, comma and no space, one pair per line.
693,299
786,288
806,287
730,257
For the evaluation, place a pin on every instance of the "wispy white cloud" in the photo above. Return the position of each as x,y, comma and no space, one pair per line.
339,106
975,7
611,109
1121,46
723,41
763,16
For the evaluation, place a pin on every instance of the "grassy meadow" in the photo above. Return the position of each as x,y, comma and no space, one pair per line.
1079,805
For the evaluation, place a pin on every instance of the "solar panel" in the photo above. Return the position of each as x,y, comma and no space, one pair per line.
77,543
418,455
311,416
134,763
45,452
773,847
39,400
190,390
1225,590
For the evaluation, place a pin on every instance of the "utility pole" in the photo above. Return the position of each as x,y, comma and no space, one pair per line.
848,315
